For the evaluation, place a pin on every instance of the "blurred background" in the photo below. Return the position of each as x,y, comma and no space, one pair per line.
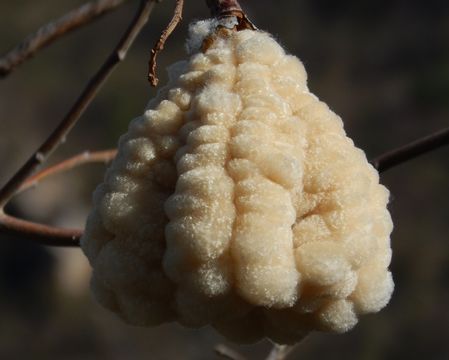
382,65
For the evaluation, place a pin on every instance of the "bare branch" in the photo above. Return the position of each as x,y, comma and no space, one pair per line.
412,150
86,157
86,97
44,234
52,31
227,353
39,233
177,17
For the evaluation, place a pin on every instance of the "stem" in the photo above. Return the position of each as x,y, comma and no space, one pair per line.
412,150
39,233
86,157
86,97
52,31
223,9
45,234
177,17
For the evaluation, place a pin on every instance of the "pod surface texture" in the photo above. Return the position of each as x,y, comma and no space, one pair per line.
237,201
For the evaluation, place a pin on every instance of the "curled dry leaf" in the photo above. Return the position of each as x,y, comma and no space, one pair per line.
237,201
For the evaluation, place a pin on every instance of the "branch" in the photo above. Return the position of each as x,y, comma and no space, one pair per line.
177,17
412,150
44,234
52,31
38,233
86,97
86,157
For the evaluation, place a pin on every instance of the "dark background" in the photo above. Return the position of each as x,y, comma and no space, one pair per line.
382,65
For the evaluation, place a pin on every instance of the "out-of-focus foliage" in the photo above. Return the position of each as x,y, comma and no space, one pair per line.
382,65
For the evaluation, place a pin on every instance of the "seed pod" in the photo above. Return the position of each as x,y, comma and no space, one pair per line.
237,200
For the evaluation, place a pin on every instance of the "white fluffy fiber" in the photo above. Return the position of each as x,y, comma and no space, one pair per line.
198,31
237,200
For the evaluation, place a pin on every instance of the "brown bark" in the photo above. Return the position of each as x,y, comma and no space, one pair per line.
177,17
220,7
52,31
412,150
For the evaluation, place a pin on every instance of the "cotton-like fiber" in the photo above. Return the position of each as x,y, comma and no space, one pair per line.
236,200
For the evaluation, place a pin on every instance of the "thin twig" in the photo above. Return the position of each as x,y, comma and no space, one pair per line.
177,17
52,31
80,105
412,150
45,234
228,353
86,157
38,233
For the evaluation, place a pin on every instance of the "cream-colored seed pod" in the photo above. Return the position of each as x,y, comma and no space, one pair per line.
237,201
